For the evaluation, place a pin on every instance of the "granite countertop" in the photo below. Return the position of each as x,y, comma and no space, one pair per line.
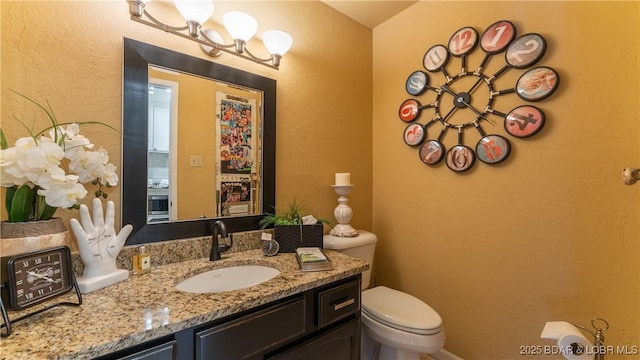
113,318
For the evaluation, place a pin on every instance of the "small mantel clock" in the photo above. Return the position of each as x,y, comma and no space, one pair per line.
32,278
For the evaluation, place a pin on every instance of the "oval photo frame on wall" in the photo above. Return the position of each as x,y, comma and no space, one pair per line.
497,37
417,83
526,50
463,41
460,158
431,152
414,134
493,149
435,58
524,121
537,84
409,110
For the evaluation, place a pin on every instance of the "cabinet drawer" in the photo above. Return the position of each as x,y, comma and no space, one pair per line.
252,333
338,302
161,349
166,351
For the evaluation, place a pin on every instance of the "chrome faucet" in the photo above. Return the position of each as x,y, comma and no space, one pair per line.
215,248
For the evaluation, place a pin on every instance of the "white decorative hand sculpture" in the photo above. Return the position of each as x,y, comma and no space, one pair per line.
99,246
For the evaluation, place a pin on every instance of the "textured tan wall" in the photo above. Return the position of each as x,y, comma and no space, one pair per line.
552,234
70,53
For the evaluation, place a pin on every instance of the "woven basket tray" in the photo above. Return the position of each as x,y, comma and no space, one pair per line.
288,236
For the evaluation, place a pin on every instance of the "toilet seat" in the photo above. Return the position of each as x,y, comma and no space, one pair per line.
400,311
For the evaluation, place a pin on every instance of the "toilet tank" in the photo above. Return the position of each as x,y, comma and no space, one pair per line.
361,247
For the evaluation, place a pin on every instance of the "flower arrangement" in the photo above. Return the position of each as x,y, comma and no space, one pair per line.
33,170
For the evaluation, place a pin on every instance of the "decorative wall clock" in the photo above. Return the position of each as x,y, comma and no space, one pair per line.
466,100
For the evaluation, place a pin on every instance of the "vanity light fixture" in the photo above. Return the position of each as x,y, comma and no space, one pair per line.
241,26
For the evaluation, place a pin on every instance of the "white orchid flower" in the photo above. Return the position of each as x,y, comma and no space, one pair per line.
63,193
30,161
73,141
89,165
8,159
110,176
54,175
38,165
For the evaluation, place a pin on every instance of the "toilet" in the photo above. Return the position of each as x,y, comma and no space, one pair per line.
395,325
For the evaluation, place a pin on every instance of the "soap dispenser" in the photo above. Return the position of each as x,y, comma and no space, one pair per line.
141,261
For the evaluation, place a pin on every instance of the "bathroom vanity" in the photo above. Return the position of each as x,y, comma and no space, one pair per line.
321,323
296,315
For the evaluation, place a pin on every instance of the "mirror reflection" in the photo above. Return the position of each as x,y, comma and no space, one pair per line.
217,176
198,145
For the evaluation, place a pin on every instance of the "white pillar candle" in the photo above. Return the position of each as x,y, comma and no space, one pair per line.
343,178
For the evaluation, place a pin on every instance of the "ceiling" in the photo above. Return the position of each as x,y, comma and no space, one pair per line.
367,12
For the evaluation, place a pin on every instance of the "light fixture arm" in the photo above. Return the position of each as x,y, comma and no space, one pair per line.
192,31
216,45
137,10
275,58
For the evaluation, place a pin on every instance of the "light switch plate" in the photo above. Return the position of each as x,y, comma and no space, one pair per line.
195,160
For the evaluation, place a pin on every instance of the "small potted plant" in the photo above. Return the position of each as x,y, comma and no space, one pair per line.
293,229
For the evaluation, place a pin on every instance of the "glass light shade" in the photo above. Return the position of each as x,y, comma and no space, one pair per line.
277,42
241,26
195,10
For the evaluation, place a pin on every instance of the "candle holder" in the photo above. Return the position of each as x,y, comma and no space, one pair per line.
343,213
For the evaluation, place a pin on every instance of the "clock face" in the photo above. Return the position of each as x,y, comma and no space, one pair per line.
464,100
37,276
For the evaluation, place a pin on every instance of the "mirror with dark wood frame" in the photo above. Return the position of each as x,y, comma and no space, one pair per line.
138,56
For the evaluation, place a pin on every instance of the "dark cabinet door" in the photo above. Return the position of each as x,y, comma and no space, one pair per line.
339,343
251,335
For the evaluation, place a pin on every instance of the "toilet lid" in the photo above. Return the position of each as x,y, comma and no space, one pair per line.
400,310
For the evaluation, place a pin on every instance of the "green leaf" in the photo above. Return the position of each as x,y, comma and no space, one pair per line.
48,111
21,204
48,212
290,216
44,211
9,198
3,141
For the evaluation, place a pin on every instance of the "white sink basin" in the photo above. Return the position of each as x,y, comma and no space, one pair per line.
227,278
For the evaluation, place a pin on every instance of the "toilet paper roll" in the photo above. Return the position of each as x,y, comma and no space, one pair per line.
575,347
571,343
